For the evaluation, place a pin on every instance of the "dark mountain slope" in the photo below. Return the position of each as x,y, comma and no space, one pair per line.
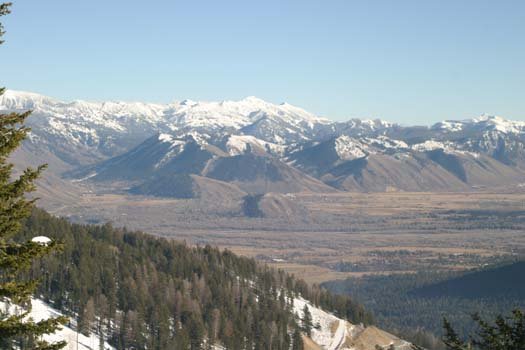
450,162
186,186
382,173
380,164
160,165
502,282
259,174
159,155
273,205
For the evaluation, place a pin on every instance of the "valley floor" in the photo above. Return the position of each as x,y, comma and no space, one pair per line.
323,237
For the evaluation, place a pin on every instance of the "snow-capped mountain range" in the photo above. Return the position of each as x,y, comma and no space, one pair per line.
109,128
254,141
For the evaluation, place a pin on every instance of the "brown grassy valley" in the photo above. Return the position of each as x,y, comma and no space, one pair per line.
324,236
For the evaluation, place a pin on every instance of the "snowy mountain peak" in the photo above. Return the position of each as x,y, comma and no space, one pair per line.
254,99
12,99
500,124
377,123
188,102
86,125
83,132
448,126
486,117
485,122
357,126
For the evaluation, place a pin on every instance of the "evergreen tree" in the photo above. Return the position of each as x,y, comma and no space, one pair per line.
196,333
297,340
16,330
507,333
307,321
88,318
451,338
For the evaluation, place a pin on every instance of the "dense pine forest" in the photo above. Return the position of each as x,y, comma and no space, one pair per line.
414,305
146,292
497,282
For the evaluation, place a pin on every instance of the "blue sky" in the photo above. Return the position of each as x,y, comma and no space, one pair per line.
410,61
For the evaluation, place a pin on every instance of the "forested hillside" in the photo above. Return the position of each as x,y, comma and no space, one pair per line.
501,282
146,292
413,305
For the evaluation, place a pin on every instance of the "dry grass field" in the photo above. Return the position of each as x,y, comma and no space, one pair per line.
340,235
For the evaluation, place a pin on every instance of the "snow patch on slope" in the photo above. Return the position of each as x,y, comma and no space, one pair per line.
325,336
429,145
384,142
176,147
348,148
41,311
239,144
447,147
334,333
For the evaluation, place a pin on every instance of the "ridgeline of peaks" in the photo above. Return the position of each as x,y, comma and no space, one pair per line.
261,147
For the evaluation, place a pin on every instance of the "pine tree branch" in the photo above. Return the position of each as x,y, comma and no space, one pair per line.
4,10
451,338
13,326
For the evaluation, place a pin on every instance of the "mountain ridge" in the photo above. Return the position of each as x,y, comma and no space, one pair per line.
146,141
